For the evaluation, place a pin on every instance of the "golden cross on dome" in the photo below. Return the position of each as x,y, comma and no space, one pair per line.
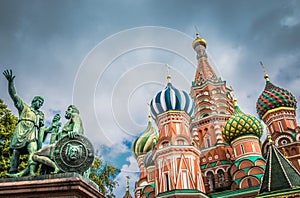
168,72
127,177
127,183
265,73
197,31
149,114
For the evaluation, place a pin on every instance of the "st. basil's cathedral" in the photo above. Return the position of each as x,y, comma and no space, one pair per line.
206,146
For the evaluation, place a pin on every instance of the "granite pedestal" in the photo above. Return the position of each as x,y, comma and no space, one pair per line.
65,185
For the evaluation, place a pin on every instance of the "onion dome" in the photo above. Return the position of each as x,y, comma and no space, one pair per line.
171,99
148,159
198,41
241,124
274,97
143,144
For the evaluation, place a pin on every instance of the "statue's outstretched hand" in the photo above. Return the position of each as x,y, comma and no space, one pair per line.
8,74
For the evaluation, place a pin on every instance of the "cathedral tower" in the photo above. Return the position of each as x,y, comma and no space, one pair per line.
177,168
141,149
213,107
277,108
243,132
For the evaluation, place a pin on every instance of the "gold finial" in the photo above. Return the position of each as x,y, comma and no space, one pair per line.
168,72
285,154
149,113
263,68
127,183
198,40
270,139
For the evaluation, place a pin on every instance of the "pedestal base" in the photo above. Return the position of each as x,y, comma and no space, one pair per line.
65,185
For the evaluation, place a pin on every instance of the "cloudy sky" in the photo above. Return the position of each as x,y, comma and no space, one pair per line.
108,58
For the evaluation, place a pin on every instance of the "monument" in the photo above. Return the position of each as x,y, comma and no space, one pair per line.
65,162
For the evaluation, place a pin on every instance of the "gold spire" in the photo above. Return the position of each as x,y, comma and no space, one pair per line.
127,183
168,72
265,74
149,114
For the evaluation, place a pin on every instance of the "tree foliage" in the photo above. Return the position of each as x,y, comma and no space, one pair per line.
104,176
7,125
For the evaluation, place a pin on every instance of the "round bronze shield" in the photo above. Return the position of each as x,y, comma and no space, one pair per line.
73,154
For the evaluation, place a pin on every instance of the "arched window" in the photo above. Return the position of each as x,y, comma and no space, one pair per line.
271,128
294,151
166,129
242,149
208,142
167,182
164,144
249,182
292,124
205,115
184,180
211,181
221,177
253,147
180,142
280,126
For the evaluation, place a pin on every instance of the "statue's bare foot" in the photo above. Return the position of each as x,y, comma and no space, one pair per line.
13,175
55,171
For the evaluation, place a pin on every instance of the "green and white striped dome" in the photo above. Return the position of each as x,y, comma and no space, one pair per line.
143,144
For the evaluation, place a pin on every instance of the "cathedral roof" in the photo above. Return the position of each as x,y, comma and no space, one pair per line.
279,172
171,99
143,144
241,124
274,97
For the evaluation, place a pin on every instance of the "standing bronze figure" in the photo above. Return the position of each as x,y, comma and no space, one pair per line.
26,134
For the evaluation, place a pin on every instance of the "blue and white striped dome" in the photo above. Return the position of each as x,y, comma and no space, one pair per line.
171,99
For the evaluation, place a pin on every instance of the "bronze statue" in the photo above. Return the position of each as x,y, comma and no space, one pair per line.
72,152
44,154
53,129
26,133
74,124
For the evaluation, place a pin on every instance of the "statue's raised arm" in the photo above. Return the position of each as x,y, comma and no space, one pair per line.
12,91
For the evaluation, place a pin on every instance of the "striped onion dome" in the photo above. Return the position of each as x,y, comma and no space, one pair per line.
171,99
274,97
241,124
143,144
148,159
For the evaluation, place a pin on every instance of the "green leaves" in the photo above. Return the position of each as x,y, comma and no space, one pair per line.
104,175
